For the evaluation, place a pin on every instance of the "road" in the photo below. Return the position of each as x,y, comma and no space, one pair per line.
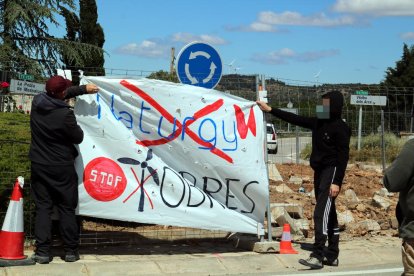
287,149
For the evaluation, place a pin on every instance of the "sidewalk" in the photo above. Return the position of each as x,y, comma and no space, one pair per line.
207,258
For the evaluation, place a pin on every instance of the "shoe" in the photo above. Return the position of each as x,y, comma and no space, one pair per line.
71,257
41,259
312,262
330,263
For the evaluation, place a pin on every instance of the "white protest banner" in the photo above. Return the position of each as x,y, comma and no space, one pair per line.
171,154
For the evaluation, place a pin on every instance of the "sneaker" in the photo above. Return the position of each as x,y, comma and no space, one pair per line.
330,263
41,259
312,262
72,257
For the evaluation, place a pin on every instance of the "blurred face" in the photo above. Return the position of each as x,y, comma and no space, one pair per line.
322,111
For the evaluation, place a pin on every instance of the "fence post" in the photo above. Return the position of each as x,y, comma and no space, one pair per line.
359,127
382,140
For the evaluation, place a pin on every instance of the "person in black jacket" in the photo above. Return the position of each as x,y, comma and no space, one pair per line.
399,178
54,180
329,158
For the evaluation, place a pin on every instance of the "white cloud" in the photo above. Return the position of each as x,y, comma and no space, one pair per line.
295,18
317,55
258,27
146,48
285,55
376,7
160,48
407,36
261,27
187,38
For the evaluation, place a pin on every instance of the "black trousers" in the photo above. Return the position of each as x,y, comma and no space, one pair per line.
55,185
325,219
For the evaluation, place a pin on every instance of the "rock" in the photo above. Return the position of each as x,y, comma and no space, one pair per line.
361,207
394,223
369,225
344,218
351,198
381,202
383,192
296,180
384,224
283,188
306,179
281,216
276,211
303,226
294,210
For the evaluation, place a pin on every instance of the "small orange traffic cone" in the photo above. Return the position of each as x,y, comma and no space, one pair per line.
285,243
12,233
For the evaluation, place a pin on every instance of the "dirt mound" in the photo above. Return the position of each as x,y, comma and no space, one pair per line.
365,181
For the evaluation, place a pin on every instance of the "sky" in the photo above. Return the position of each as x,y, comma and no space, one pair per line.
296,41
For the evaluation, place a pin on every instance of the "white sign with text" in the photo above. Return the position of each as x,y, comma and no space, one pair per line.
368,100
171,154
26,87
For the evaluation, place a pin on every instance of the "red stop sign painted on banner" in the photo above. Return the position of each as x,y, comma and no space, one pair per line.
104,179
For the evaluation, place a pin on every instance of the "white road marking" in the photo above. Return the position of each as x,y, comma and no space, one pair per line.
354,272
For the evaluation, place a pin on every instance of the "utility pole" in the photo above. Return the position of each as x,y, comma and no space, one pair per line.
172,60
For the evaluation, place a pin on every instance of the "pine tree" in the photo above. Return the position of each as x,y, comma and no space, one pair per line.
401,76
85,29
403,73
25,40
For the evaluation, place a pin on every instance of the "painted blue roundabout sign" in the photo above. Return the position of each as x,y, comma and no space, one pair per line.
199,64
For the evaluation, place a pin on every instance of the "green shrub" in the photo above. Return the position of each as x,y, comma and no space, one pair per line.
14,160
370,149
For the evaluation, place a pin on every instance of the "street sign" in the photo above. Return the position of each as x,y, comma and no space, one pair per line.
26,77
199,64
368,100
361,92
26,87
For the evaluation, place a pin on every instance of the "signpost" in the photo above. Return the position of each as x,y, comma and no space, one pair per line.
362,98
199,64
26,87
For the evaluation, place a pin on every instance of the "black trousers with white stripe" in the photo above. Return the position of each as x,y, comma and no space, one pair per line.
325,219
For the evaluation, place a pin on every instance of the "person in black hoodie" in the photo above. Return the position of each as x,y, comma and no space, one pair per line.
54,180
329,158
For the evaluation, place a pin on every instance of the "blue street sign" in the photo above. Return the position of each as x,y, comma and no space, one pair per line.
199,64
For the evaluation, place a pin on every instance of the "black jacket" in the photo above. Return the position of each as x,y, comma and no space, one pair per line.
54,129
399,178
330,137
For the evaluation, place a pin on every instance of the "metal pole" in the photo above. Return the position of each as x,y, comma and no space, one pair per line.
382,140
297,145
269,219
412,116
265,156
359,127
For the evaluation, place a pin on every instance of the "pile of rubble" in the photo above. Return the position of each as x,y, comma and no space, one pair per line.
364,206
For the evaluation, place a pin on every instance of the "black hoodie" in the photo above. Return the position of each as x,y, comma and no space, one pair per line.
54,129
330,137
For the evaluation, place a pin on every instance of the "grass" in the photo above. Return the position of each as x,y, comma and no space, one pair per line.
14,149
370,151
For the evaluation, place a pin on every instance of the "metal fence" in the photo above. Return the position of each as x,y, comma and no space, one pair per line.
398,119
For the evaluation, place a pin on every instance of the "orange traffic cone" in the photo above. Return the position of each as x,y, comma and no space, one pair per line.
12,234
285,243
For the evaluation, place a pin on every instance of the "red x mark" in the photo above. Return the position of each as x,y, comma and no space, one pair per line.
140,185
201,113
